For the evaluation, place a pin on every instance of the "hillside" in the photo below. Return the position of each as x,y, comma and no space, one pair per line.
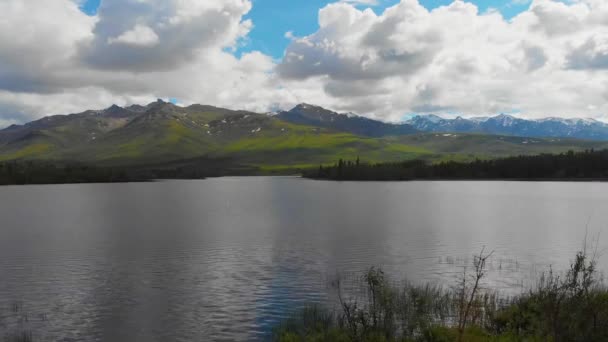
162,133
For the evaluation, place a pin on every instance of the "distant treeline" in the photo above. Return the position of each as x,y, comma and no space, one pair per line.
39,172
571,165
60,172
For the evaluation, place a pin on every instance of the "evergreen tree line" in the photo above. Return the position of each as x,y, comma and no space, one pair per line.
57,172
588,165
38,172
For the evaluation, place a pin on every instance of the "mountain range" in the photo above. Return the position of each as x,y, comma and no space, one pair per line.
302,137
509,125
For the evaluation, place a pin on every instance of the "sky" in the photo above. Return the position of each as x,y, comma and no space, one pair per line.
273,18
385,59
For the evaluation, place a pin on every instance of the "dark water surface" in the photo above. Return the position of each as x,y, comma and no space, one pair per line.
224,259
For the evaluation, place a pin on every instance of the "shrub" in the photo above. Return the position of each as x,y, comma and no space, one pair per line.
571,307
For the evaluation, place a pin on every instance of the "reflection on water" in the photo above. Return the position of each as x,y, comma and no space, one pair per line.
225,259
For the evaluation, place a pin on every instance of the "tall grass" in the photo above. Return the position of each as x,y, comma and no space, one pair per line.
572,306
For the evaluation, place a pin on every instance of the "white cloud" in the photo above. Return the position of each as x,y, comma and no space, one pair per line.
132,51
548,61
140,35
36,39
593,54
163,35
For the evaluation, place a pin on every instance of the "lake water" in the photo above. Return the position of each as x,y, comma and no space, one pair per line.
224,259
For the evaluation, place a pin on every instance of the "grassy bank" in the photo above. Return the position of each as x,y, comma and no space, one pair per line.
568,306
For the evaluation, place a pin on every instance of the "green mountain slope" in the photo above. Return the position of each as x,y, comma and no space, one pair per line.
162,132
51,137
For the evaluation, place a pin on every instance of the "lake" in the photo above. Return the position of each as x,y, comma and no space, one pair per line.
226,258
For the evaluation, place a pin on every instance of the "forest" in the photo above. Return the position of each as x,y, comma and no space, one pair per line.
586,165
20,172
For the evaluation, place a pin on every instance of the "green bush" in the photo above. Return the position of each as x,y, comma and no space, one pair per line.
571,307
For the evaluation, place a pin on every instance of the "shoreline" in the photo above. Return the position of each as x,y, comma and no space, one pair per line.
539,180
522,180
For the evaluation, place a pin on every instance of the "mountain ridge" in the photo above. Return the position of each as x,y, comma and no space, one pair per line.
504,124
303,137
346,122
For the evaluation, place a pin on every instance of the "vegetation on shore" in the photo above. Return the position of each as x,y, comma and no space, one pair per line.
584,165
51,172
32,172
569,307
587,165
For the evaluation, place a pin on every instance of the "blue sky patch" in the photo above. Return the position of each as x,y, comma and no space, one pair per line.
90,6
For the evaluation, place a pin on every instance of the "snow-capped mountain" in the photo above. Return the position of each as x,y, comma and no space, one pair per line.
509,125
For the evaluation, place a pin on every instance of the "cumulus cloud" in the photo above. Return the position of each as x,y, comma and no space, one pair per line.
55,59
36,39
140,35
550,60
162,35
593,54
353,45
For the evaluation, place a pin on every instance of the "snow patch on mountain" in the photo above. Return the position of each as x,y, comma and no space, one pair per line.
505,124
